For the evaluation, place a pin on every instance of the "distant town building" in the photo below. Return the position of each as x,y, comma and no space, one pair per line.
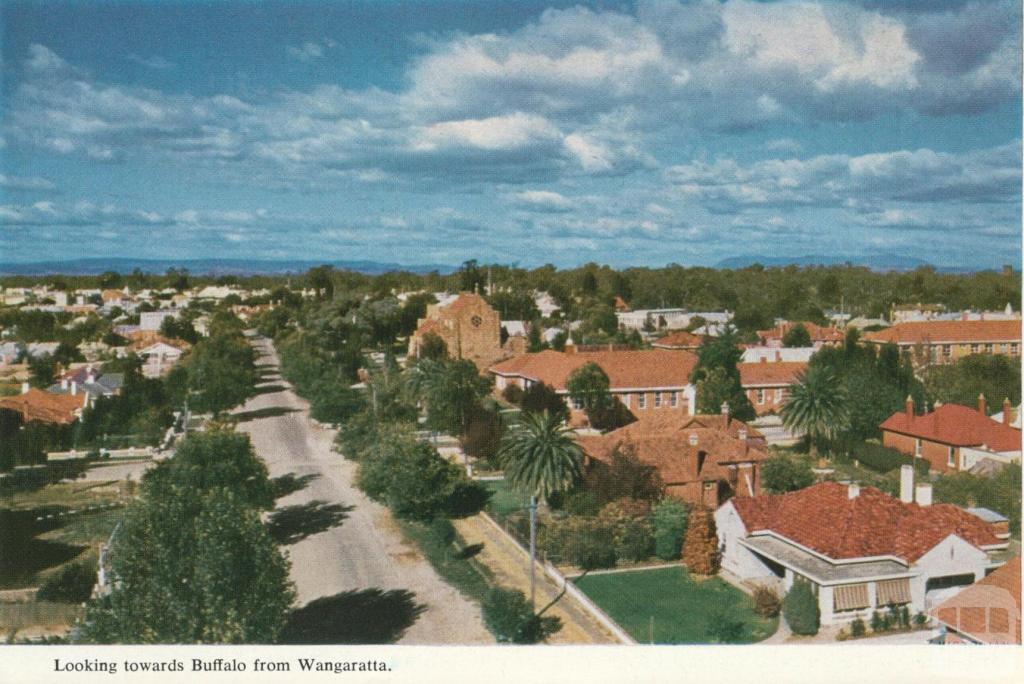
946,341
820,335
152,320
767,385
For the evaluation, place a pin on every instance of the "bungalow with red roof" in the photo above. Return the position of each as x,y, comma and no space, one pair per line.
644,381
946,341
820,335
767,384
45,407
703,459
987,612
682,339
952,437
859,548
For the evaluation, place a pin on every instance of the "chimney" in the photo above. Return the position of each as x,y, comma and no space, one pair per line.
981,404
909,406
24,388
906,483
63,383
923,494
74,388
1007,411
570,346
764,359
778,355
853,490
90,374
725,409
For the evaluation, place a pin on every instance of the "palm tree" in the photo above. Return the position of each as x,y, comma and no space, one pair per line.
817,406
541,457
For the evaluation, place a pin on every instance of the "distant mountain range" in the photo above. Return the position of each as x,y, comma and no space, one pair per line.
876,262
214,267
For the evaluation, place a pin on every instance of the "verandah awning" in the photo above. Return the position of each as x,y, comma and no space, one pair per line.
851,597
889,592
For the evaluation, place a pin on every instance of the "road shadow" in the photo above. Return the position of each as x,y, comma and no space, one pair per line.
269,412
369,616
268,389
292,524
291,483
470,551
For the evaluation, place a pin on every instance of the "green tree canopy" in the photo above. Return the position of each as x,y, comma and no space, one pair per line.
797,336
541,456
817,406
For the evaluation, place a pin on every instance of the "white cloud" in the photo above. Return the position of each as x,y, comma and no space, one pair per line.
543,200
25,182
309,51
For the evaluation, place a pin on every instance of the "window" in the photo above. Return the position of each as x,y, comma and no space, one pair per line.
778,396
641,400
917,448
625,399
657,400
760,396
950,457
974,348
850,597
947,350
988,348
674,399
577,403
1013,348
892,592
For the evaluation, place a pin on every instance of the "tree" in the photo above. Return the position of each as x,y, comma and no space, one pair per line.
996,377
816,406
700,542
717,377
221,372
470,277
452,392
588,387
321,279
797,336
42,370
540,397
625,476
432,347
781,474
669,519
541,457
511,619
179,328
800,608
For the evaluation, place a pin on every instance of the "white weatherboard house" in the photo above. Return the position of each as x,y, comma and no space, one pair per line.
860,549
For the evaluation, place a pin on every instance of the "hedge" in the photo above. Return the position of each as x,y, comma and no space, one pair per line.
883,459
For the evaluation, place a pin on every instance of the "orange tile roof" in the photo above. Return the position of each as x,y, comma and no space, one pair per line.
956,425
823,518
664,442
818,333
145,338
971,621
625,369
765,374
465,300
678,340
948,332
45,407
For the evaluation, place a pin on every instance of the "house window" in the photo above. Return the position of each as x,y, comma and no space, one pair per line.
1013,348
850,597
988,348
974,348
674,399
778,396
760,396
657,400
950,457
641,400
577,403
892,592
917,448
625,399
947,350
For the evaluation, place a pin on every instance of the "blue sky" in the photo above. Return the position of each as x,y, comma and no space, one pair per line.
628,133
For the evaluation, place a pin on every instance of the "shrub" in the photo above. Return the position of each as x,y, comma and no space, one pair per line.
858,628
513,394
920,620
800,608
73,584
724,628
582,503
878,623
510,618
783,474
766,602
634,540
668,518
587,543
883,459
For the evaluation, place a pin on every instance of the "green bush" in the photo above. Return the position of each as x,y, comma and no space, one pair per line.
668,518
510,618
883,459
878,622
73,584
634,540
587,543
858,628
920,620
800,608
766,602
782,474
513,394
583,503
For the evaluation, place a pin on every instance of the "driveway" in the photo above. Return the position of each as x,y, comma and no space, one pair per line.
338,540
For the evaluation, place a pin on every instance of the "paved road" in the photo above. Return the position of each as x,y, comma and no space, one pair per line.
366,549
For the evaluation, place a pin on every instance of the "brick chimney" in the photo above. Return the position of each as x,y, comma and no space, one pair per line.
906,483
725,409
74,388
853,490
923,494
778,355
981,404
570,346
909,406
25,387
1007,411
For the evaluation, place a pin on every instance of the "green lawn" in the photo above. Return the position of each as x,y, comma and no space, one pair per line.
504,500
683,611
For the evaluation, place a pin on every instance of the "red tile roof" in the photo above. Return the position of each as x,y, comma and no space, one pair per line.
948,332
664,442
823,518
678,340
625,369
956,425
45,407
774,374
817,332
971,621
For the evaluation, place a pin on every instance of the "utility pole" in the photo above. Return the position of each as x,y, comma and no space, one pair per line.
533,550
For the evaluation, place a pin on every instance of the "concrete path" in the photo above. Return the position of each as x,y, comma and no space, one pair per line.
365,550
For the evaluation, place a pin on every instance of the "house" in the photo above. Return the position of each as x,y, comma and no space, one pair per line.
644,381
10,352
160,356
152,320
679,340
89,380
952,437
860,549
470,328
947,341
1011,416
36,405
657,319
702,459
756,353
767,384
987,612
820,335
546,304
